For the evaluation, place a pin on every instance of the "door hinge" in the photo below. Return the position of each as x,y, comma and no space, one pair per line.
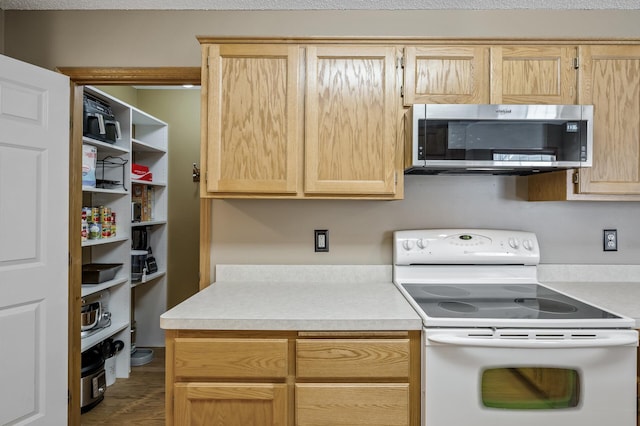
575,178
401,91
576,63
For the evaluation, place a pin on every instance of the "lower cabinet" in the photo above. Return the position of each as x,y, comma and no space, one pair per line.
293,378
230,404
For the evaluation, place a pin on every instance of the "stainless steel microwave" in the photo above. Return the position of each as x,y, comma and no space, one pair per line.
497,139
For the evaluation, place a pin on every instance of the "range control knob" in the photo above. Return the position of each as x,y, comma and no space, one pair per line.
527,244
422,243
407,244
514,242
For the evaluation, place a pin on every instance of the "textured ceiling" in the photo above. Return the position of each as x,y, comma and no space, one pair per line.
313,5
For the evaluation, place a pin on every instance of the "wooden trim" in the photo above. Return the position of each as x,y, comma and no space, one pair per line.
205,243
128,76
413,40
415,377
75,256
95,76
170,336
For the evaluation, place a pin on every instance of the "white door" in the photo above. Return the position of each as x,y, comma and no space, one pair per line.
34,200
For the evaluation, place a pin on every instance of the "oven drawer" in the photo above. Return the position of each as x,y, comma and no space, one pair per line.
339,404
230,358
352,358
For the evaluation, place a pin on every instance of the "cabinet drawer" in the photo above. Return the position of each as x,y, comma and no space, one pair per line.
352,358
230,358
367,404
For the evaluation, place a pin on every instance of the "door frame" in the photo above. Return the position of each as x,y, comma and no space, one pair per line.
80,76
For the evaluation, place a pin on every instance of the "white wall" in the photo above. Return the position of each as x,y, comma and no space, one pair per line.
281,231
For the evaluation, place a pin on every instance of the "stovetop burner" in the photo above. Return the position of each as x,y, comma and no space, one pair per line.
500,301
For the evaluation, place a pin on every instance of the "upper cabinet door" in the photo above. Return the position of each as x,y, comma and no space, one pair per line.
253,140
446,75
611,82
533,75
352,114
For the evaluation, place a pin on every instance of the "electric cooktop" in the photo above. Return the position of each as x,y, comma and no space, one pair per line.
500,301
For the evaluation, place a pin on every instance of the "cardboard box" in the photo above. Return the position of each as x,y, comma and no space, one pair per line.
89,158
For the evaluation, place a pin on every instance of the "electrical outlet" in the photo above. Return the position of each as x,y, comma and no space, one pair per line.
321,239
610,239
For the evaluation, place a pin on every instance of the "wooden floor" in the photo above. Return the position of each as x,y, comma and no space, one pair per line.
138,400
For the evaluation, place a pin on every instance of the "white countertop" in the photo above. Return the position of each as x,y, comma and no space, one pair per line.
361,297
293,305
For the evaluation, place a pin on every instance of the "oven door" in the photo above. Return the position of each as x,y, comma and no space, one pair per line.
529,377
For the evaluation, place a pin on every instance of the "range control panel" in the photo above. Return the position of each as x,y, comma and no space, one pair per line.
465,247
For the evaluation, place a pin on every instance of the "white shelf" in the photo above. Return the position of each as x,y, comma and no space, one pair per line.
148,223
101,241
106,147
121,191
146,182
90,341
149,278
145,147
88,289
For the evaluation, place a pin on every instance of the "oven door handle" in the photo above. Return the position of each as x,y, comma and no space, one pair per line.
497,342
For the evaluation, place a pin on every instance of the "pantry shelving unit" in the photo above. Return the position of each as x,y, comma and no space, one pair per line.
143,141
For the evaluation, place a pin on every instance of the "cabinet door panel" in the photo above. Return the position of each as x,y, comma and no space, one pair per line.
446,75
611,82
349,358
533,75
252,132
351,118
334,404
202,404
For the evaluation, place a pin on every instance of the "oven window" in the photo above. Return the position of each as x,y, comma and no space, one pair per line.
530,388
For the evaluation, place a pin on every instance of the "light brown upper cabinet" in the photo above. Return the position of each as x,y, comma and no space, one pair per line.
534,75
280,126
610,81
252,140
446,75
351,112
518,74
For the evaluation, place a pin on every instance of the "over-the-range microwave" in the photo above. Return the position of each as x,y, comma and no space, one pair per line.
497,139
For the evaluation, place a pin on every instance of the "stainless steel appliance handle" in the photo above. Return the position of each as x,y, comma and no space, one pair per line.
497,342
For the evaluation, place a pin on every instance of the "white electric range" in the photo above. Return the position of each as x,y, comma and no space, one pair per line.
499,347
